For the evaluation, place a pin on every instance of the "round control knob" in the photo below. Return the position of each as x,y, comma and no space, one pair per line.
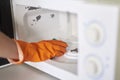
93,67
95,33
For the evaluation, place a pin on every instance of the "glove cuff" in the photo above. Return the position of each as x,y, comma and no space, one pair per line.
20,53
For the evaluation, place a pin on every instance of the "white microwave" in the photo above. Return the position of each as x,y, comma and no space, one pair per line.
91,30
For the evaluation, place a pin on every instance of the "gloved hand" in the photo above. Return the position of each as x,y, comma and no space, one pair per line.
42,50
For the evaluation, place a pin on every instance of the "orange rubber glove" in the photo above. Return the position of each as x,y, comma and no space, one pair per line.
40,51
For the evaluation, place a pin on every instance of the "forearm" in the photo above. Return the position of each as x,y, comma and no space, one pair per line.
8,47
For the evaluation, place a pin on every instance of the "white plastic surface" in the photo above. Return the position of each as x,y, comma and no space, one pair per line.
62,71
35,24
41,24
93,67
95,33
105,35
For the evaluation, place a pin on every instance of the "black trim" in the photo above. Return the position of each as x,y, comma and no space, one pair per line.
6,25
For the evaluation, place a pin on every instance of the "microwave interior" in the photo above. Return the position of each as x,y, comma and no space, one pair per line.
36,23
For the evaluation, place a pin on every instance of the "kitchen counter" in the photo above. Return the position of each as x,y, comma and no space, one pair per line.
23,72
